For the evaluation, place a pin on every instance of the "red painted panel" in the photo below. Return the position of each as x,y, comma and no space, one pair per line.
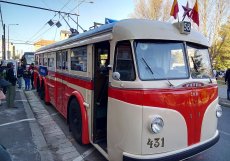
76,81
85,129
179,99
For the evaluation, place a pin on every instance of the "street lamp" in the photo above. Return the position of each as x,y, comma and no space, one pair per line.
79,3
8,53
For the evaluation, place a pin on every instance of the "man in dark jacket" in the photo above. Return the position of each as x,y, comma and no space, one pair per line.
27,77
227,81
10,76
3,83
19,75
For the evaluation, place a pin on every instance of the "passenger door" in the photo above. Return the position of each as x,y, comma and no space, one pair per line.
101,80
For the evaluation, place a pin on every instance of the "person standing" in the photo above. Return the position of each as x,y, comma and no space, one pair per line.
20,75
227,81
31,69
3,83
27,77
10,76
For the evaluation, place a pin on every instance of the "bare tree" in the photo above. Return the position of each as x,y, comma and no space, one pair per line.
213,14
152,9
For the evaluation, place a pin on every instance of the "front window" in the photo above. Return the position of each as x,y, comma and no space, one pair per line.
161,60
199,62
124,61
29,59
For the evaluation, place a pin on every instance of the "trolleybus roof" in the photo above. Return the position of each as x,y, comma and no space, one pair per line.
135,29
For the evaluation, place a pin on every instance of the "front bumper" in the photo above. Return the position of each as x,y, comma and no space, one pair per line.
175,155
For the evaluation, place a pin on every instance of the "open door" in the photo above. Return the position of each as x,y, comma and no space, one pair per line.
101,80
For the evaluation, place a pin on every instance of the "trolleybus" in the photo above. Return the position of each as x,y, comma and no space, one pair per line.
135,89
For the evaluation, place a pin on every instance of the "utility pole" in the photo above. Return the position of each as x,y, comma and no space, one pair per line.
3,37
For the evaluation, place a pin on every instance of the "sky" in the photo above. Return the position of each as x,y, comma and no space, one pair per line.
32,23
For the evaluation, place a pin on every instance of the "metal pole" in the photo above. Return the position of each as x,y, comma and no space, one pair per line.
77,13
8,52
4,42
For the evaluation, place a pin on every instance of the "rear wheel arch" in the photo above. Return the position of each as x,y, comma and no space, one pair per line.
80,100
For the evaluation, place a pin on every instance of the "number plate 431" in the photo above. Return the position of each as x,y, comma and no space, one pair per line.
156,142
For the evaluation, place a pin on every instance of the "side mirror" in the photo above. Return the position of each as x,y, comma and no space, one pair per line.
109,67
116,76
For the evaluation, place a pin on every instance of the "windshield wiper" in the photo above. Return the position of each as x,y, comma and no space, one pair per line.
150,69
195,65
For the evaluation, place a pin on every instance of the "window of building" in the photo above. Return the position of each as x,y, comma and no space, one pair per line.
79,59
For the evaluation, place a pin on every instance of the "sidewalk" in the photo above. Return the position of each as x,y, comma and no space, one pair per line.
20,133
222,89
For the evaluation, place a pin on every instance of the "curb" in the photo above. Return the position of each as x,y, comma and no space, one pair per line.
224,102
38,137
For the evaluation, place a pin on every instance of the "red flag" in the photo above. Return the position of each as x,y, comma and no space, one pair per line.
195,14
175,9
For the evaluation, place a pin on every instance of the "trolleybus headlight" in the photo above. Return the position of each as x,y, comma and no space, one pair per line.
219,111
157,124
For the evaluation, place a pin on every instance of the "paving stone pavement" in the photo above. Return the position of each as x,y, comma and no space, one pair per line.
222,92
60,146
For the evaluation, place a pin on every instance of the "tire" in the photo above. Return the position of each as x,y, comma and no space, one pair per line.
42,92
75,120
38,85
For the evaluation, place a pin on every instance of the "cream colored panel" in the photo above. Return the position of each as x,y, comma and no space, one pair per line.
89,61
124,128
82,90
171,138
210,120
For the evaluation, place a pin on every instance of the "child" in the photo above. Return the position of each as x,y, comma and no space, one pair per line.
27,77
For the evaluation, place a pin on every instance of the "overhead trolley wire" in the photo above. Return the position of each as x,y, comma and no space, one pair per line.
41,8
31,39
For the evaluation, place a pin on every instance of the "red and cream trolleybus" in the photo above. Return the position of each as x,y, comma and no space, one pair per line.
135,89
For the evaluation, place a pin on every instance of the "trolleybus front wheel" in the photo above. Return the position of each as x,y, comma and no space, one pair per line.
75,120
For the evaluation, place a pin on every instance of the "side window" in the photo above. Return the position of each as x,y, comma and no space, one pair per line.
36,59
59,60
45,59
65,60
78,58
41,59
124,61
51,62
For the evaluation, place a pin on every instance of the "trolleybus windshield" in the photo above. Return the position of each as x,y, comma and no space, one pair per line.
161,60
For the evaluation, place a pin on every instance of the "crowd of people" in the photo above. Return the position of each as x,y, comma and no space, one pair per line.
9,80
